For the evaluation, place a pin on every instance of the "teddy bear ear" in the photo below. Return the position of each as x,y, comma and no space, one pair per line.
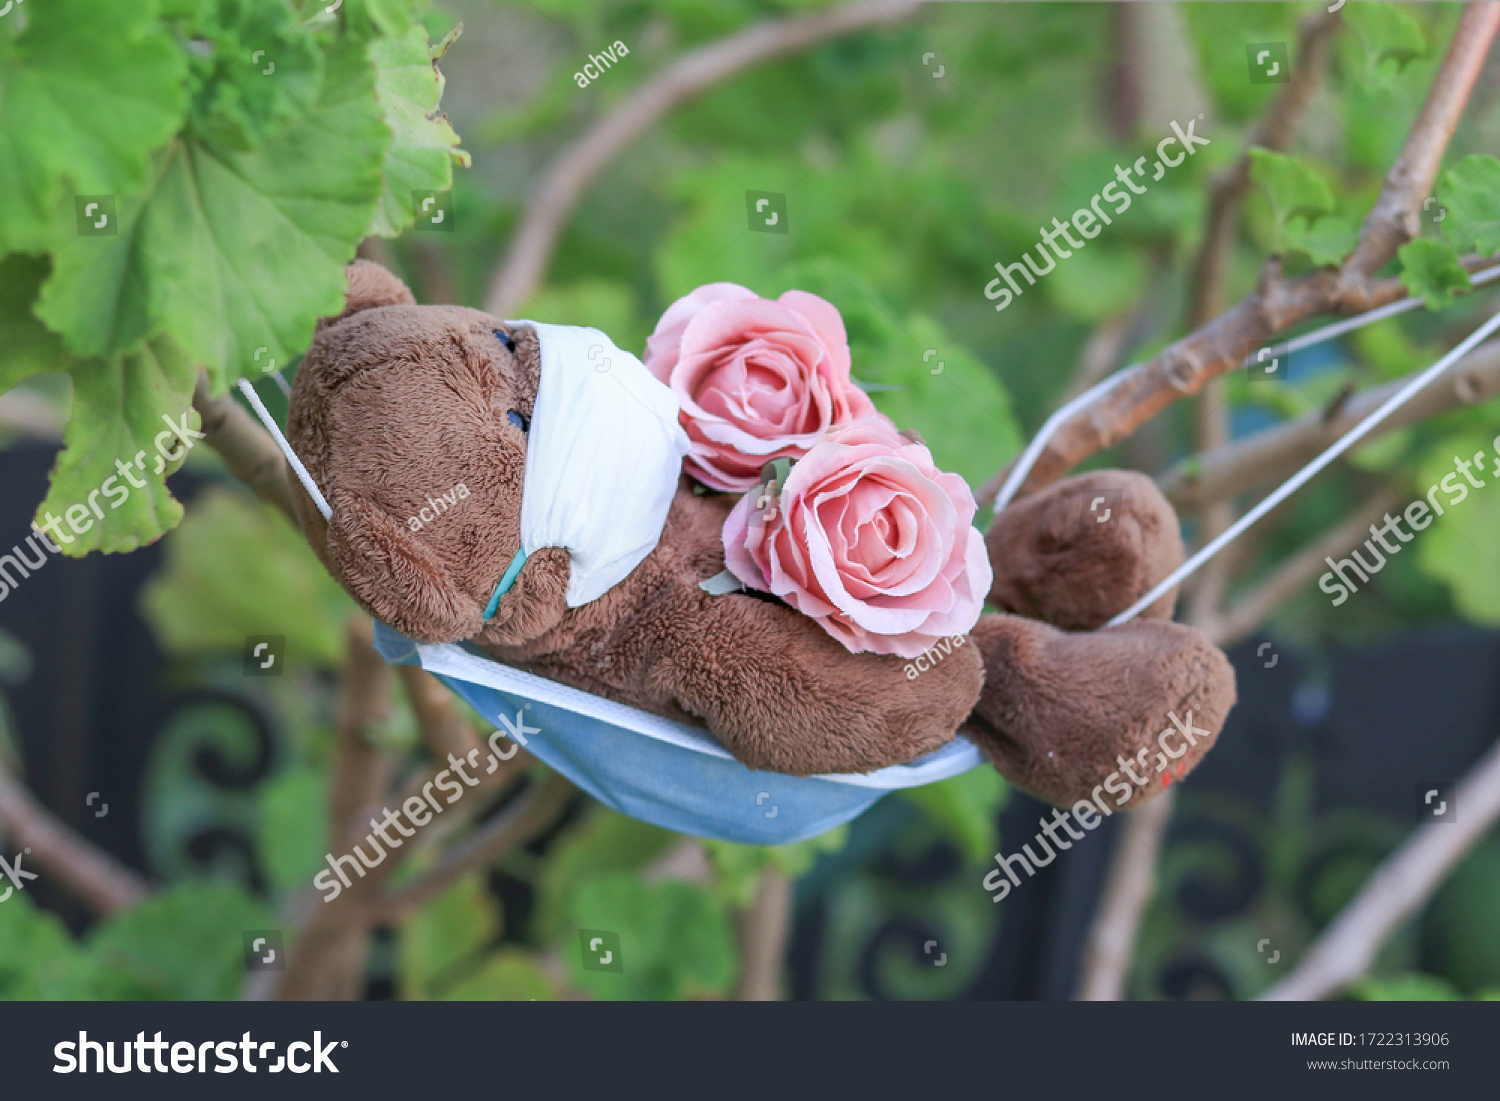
397,579
370,285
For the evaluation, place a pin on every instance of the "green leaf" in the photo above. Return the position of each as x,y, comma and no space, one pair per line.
87,91
506,975
1459,926
1414,987
967,806
184,944
1097,283
255,67
675,938
293,826
1462,547
604,841
388,18
957,404
424,147
38,959
1326,241
1303,205
1293,187
121,407
1471,192
1387,32
239,253
443,933
26,345
738,868
1430,270
236,568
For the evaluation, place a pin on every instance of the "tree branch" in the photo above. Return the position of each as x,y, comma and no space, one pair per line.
526,818
246,448
325,960
1275,453
1131,882
1273,130
1252,609
763,929
1398,889
1276,304
561,187
87,871
444,731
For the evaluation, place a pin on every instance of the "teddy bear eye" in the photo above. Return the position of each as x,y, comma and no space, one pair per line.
520,420
506,339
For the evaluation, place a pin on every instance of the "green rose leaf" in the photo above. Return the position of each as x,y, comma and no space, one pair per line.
239,253
1430,270
424,147
87,91
120,407
1471,192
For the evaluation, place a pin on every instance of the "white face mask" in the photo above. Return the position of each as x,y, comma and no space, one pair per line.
603,458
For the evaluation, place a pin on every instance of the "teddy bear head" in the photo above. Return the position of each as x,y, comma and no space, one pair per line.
413,422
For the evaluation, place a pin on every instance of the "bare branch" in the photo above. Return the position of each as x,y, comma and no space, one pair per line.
1275,305
763,934
1132,880
444,731
1273,130
535,810
1396,216
557,193
1398,889
1275,453
246,448
87,871
326,957
1252,609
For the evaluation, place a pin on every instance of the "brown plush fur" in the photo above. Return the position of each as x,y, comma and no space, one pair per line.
396,404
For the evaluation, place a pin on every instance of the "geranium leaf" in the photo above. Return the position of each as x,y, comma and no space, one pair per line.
424,147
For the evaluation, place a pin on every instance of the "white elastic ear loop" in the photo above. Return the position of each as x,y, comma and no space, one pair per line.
1049,428
286,449
1303,476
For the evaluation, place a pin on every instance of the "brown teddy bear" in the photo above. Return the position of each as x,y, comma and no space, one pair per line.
398,405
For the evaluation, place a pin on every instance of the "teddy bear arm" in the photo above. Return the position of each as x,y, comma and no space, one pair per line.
1078,553
783,695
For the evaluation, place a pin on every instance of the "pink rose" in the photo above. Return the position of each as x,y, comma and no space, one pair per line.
757,380
868,538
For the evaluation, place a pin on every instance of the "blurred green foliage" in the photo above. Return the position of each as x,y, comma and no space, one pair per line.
239,196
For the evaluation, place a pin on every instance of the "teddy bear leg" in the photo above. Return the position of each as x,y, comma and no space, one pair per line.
783,695
1082,551
1114,715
